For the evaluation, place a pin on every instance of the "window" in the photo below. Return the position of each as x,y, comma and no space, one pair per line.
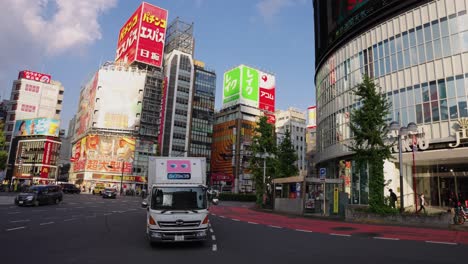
442,90
419,114
453,109
450,87
437,49
425,91
446,47
405,40
427,32
433,90
421,55
462,107
427,113
419,35
435,111
417,94
429,51
444,27
412,38
460,86
443,110
435,29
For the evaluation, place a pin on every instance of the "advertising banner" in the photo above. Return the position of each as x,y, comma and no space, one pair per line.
127,43
142,37
86,105
249,88
152,35
311,117
37,127
267,92
163,114
46,160
271,118
34,76
101,153
231,85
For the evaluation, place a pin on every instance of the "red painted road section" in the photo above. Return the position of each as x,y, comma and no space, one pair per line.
338,227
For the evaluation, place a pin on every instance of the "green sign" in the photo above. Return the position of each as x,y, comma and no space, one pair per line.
249,84
231,85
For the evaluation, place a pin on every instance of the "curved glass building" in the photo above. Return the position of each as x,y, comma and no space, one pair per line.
417,52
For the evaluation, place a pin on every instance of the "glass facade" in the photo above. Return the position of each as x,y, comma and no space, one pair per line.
419,58
201,135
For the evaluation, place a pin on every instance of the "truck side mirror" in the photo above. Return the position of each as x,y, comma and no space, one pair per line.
144,204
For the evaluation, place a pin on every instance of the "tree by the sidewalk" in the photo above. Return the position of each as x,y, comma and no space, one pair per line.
369,128
286,158
3,153
264,141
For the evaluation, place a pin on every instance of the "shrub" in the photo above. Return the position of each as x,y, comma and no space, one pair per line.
237,197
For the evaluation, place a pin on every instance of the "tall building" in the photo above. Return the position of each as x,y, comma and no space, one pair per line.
118,125
179,81
417,52
311,142
202,120
248,93
32,127
294,121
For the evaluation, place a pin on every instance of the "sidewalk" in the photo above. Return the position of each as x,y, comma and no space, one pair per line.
341,227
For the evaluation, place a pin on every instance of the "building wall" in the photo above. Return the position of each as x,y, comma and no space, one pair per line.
293,120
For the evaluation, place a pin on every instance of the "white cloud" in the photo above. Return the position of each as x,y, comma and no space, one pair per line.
270,8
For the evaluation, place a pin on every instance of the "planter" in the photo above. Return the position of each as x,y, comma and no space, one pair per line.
356,213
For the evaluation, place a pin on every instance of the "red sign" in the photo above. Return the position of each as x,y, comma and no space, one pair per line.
267,92
34,76
163,112
271,118
142,37
46,160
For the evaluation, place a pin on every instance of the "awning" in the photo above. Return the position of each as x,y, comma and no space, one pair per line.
291,179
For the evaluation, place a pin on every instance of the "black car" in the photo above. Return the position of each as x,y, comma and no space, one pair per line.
70,188
109,193
40,194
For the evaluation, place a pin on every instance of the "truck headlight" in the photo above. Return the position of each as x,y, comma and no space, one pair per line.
201,234
156,235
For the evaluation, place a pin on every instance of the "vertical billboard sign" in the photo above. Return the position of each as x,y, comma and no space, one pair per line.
152,35
142,37
267,92
249,86
46,160
163,114
231,85
128,35
312,117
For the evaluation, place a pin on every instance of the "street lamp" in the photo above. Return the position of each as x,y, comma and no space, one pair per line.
264,156
401,132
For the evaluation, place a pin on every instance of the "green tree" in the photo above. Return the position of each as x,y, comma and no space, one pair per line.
3,153
264,141
369,128
286,157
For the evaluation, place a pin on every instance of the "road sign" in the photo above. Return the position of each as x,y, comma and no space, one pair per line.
323,173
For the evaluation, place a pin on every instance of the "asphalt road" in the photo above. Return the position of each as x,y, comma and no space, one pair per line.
88,229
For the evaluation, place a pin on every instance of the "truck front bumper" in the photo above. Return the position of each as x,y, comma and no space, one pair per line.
157,235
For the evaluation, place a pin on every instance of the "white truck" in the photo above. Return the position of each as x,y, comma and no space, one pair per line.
177,201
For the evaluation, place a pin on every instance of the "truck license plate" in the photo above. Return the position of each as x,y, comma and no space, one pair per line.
179,238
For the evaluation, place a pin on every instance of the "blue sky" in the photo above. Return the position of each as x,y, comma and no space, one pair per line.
70,40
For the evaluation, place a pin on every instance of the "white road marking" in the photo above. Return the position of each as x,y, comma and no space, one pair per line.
20,221
387,238
441,242
71,219
237,220
211,230
213,214
222,216
48,223
213,237
16,228
13,212
302,230
343,235
253,223
215,247
275,226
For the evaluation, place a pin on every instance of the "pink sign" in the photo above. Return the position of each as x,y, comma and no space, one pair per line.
178,166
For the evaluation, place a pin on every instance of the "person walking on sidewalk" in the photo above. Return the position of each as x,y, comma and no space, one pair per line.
422,203
393,198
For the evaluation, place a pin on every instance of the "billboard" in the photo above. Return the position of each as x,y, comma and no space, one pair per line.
86,106
37,127
312,117
36,100
103,153
120,98
249,86
142,37
34,76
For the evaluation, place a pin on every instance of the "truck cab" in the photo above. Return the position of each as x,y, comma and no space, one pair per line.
177,204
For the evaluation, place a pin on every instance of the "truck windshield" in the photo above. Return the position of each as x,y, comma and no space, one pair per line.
178,198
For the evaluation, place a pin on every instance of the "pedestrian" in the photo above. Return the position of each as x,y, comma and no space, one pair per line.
393,198
422,203
89,189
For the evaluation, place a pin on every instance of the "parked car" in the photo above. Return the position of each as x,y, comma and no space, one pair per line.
109,193
40,194
70,188
98,189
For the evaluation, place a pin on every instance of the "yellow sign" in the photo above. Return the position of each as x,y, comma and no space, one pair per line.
199,63
335,201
